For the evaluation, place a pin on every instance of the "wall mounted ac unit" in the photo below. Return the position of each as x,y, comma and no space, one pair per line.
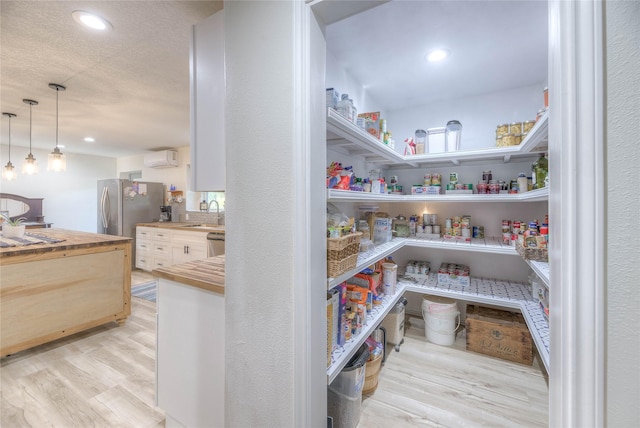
161,159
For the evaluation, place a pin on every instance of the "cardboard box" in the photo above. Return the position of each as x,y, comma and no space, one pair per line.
500,334
333,299
425,190
455,280
372,123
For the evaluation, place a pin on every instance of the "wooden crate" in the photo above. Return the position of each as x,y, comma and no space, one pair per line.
500,334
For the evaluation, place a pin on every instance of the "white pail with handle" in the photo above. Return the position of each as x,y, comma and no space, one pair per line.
441,319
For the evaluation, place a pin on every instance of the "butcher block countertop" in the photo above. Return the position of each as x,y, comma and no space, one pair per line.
71,240
195,227
207,274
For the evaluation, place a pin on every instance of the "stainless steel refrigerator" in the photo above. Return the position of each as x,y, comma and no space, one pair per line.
122,204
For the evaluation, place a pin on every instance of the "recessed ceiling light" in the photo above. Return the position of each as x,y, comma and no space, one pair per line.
89,139
437,55
90,20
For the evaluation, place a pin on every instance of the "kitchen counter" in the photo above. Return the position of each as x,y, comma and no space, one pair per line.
196,227
72,240
52,290
207,274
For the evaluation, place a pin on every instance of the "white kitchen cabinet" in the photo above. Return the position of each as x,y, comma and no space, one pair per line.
207,105
191,375
505,293
158,247
187,246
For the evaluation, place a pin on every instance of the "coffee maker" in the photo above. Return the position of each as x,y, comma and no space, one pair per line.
165,213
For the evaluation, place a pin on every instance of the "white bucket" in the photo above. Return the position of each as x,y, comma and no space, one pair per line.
389,278
440,322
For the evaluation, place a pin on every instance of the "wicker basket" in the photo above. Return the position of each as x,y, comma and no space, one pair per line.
372,370
537,254
342,253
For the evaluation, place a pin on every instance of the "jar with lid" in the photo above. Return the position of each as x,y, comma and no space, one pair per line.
421,141
539,170
481,187
453,134
515,128
487,176
494,187
509,139
526,126
502,129
522,183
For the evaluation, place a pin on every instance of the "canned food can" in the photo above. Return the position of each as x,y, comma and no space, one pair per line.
450,186
447,223
459,186
428,229
433,218
427,179
436,179
436,229
466,233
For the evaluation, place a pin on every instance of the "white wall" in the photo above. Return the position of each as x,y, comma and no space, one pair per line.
479,115
623,203
70,197
176,176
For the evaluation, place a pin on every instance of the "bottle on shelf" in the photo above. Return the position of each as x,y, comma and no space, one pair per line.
539,169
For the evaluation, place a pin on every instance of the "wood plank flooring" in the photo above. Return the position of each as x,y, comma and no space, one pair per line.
431,385
105,377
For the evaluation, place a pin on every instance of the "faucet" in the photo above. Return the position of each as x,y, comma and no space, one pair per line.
217,210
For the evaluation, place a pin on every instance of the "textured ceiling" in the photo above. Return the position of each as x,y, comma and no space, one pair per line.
128,88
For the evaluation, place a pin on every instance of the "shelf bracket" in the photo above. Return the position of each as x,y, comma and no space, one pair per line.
507,158
456,162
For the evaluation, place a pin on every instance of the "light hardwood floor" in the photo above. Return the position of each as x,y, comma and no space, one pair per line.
105,377
431,385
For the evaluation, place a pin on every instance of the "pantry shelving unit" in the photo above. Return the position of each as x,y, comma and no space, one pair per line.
334,195
341,356
344,135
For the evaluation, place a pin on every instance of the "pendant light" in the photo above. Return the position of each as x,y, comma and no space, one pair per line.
30,166
56,160
9,171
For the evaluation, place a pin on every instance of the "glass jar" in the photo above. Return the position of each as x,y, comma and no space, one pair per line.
487,176
515,128
482,188
453,134
493,187
502,129
509,139
526,126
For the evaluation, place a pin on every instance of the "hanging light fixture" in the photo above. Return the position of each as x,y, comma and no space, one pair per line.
30,166
9,171
56,160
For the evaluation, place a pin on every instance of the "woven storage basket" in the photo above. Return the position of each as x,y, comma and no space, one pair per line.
537,254
342,253
372,371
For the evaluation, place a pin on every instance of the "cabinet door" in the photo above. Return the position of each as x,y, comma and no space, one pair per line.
187,246
207,104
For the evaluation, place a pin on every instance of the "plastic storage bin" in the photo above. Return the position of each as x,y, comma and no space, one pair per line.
393,323
344,395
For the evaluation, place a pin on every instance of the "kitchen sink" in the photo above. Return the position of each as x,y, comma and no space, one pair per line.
205,226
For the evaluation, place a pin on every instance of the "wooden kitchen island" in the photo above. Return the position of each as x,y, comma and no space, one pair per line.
53,290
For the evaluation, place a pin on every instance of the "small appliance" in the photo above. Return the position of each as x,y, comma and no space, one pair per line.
165,213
